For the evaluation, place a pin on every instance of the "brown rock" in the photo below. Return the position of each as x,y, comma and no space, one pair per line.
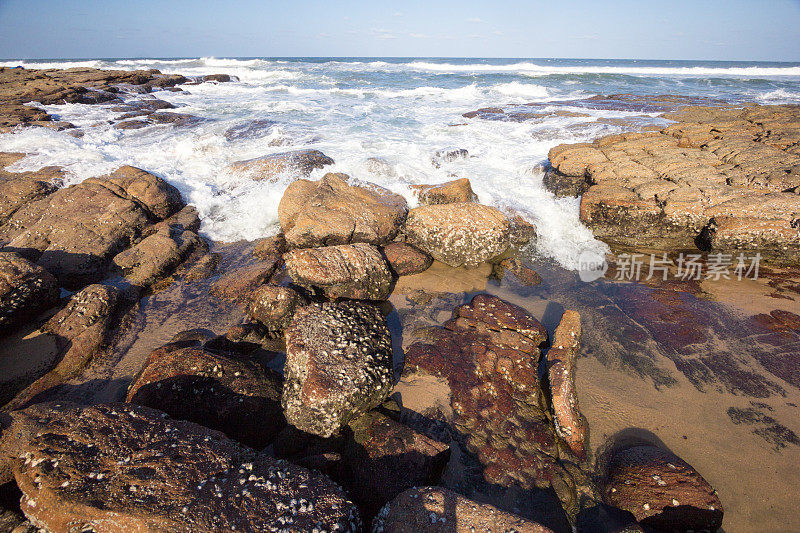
219,78
270,247
526,275
274,306
75,232
25,290
661,490
338,365
236,396
330,211
356,271
298,163
451,192
405,259
239,284
123,467
459,234
384,458
439,510
156,255
132,124
561,361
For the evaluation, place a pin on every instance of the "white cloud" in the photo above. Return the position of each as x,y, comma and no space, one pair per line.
477,20
417,35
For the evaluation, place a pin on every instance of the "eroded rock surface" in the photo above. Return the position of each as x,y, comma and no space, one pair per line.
405,259
719,178
451,192
459,234
662,490
356,271
123,467
275,306
329,212
338,365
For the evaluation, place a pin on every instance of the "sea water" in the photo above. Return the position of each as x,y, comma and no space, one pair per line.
400,110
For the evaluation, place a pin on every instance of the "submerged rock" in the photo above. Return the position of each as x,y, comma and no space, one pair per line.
235,395
338,365
123,467
240,283
662,490
459,234
329,212
25,290
298,163
356,271
448,155
154,256
439,510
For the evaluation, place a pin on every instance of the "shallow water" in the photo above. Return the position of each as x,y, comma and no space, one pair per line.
401,110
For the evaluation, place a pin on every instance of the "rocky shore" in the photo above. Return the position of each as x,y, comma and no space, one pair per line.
353,372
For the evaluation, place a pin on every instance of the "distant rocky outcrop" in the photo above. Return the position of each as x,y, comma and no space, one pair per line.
297,163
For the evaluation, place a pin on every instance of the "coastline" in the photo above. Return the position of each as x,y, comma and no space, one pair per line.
673,344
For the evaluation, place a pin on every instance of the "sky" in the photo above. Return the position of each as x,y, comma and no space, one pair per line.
759,30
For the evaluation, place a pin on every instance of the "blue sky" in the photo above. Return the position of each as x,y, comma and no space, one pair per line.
666,29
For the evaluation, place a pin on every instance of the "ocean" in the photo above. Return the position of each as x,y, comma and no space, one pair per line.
400,110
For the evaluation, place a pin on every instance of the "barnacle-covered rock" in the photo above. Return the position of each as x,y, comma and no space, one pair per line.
25,289
338,365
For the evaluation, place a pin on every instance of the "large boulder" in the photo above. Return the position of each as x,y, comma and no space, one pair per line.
561,361
235,395
338,365
459,234
26,289
661,490
298,163
450,192
75,232
356,271
330,211
123,467
439,510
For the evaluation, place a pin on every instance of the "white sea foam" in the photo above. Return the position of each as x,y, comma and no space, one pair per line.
354,110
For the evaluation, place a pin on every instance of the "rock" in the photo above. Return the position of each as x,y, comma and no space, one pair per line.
448,156
451,192
239,284
156,255
561,361
405,259
384,458
270,247
330,211
259,127
75,232
220,78
132,124
526,275
123,467
374,458
236,396
563,185
522,232
722,179
176,119
661,490
439,510
487,356
459,234
338,365
25,290
483,111
274,306
203,268
356,271
81,329
18,189
272,167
